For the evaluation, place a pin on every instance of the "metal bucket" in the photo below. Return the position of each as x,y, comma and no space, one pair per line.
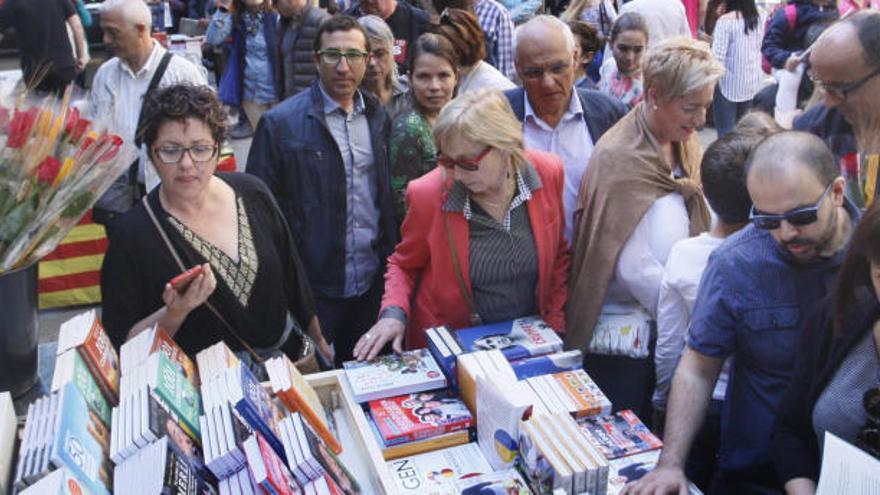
18,330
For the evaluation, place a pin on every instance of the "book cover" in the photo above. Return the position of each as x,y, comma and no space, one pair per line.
394,374
435,473
298,396
589,400
178,476
442,441
446,357
85,333
630,468
500,409
543,468
506,482
59,482
266,468
620,434
159,423
80,441
410,417
548,364
517,339
254,405
71,367
153,340
333,467
174,390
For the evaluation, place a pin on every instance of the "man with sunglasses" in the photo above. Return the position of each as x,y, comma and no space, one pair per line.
845,67
323,153
752,305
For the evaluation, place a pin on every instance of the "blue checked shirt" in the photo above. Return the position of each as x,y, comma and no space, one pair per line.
498,29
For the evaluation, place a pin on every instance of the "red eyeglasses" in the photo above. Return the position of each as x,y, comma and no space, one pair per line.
471,165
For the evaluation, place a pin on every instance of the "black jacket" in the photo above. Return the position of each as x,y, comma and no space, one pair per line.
295,65
830,125
295,154
601,111
794,447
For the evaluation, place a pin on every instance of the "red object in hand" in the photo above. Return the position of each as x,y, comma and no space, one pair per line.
181,282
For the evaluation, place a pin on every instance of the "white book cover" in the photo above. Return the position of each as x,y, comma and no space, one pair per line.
394,374
592,455
847,469
630,468
563,476
435,473
24,448
500,408
447,337
581,482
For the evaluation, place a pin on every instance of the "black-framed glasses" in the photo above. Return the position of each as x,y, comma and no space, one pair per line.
840,91
471,165
868,438
536,73
199,153
798,217
332,56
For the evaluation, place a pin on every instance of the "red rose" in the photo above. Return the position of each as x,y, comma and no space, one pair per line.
72,119
48,170
20,127
115,144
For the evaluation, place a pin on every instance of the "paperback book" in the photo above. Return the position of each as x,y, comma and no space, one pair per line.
500,409
159,468
70,367
435,473
146,343
619,435
394,374
410,417
267,469
442,441
445,349
549,364
517,339
85,333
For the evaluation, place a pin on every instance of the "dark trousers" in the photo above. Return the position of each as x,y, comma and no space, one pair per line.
727,113
344,320
627,382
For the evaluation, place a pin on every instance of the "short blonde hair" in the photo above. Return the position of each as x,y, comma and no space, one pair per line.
678,66
483,116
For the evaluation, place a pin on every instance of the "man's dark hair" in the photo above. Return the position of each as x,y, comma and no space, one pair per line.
867,24
340,22
587,36
780,151
178,103
441,5
722,172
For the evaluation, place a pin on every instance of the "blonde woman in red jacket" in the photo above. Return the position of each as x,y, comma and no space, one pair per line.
483,238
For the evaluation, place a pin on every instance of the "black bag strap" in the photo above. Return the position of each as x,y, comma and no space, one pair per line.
138,138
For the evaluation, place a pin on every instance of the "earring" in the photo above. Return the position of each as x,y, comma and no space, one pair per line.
654,108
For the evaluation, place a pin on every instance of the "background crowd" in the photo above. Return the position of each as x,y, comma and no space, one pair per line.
457,162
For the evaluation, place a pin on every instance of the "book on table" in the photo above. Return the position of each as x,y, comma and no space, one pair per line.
85,333
517,339
435,473
411,417
394,374
620,434
152,340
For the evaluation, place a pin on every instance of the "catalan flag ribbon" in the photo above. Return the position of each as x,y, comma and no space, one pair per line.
70,275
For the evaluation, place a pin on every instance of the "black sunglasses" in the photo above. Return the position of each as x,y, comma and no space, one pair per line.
868,438
841,90
797,217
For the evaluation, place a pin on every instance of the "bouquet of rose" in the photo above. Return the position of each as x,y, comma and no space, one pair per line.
54,165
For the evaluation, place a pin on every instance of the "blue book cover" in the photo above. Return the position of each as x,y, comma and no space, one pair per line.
79,443
254,405
547,365
445,357
516,339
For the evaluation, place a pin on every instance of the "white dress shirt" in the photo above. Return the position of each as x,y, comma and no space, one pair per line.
571,140
640,265
678,292
117,96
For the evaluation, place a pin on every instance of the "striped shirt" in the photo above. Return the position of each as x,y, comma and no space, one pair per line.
741,55
502,257
498,29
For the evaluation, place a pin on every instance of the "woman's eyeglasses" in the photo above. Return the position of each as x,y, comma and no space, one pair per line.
200,153
471,165
332,56
798,217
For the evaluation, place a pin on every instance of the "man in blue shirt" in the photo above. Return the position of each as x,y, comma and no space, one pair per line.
753,302
323,153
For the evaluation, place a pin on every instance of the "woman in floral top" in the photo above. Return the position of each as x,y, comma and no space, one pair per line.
622,75
434,74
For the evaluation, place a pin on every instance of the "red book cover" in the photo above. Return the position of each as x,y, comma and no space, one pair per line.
410,417
277,474
101,358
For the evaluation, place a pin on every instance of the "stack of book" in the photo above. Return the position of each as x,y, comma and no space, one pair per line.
573,392
394,374
160,467
311,461
532,347
70,429
619,435
61,432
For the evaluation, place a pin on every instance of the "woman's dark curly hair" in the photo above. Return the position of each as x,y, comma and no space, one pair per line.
178,103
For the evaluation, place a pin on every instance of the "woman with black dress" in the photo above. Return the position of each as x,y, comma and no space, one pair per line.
253,288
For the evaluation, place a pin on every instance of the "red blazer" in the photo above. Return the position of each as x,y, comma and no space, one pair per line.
421,278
